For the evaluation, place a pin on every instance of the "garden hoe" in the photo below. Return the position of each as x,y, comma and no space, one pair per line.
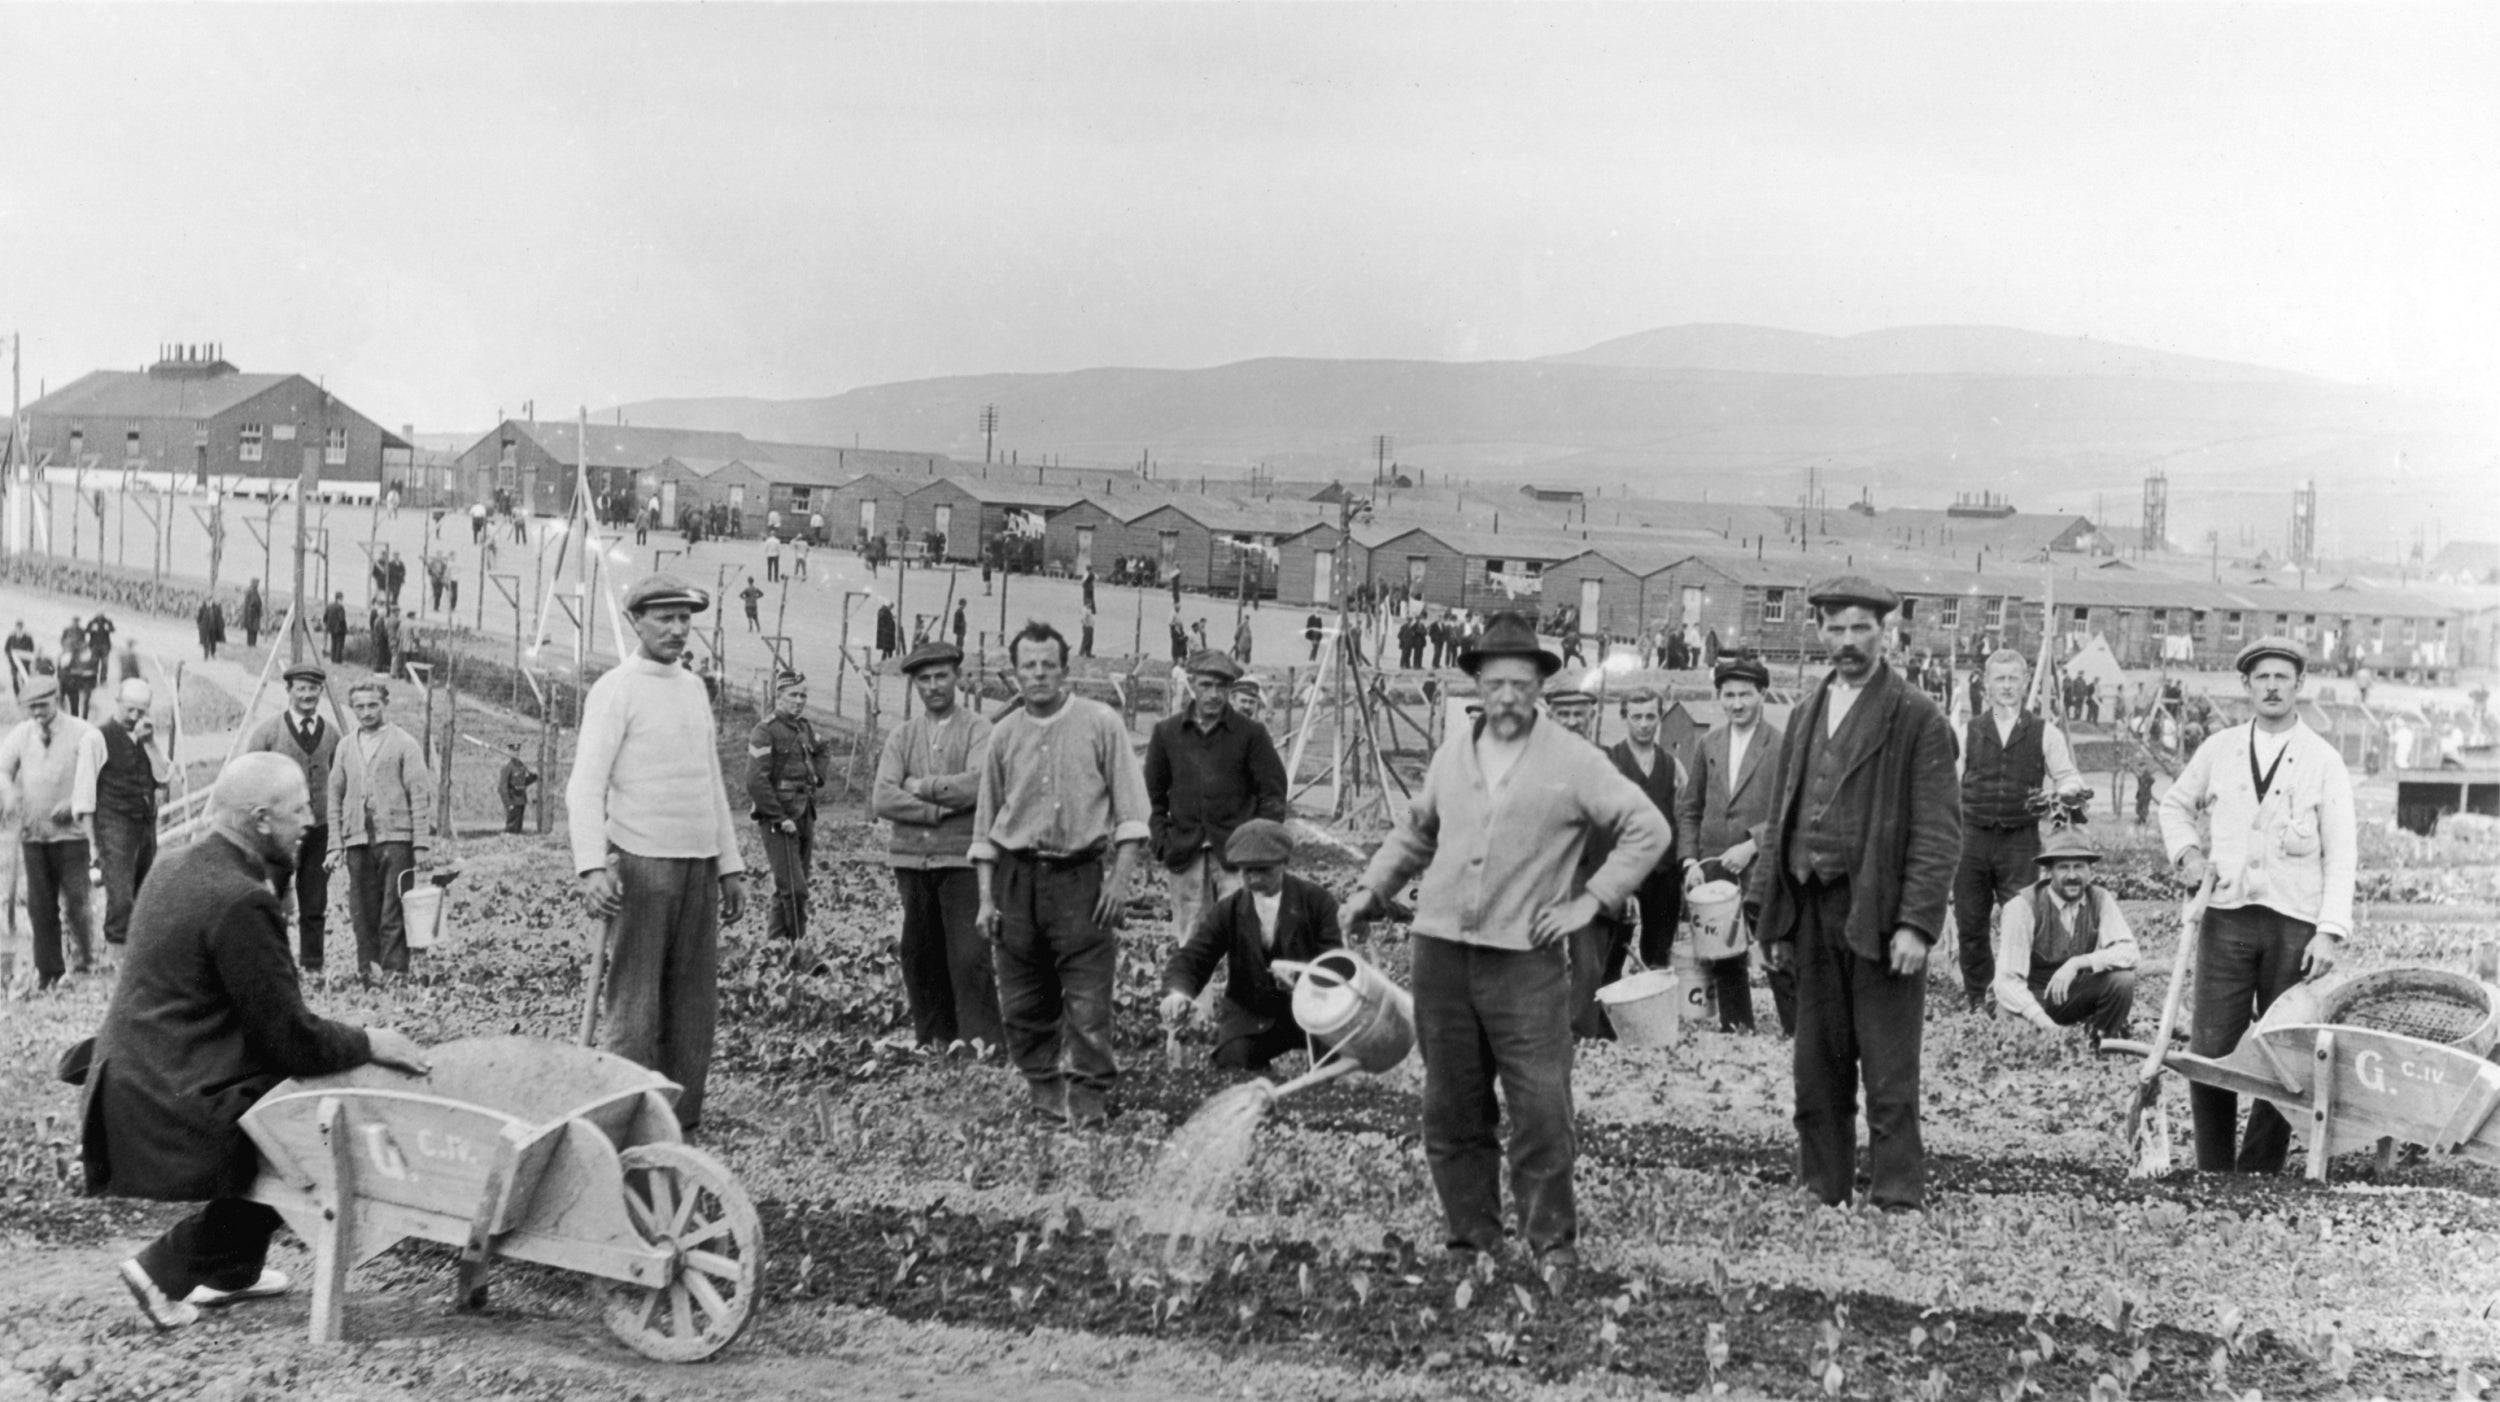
2148,1122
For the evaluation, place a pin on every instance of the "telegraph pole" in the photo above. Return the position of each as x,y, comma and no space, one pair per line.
989,431
307,477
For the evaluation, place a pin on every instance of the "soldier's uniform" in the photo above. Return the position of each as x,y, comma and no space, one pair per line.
788,767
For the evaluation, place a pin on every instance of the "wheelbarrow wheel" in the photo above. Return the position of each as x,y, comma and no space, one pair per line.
684,1200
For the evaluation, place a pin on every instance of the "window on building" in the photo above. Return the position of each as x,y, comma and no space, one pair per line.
2161,620
2196,622
2282,623
77,443
248,441
334,448
2083,615
1998,609
1949,613
1775,606
2234,626
2413,631
511,454
130,439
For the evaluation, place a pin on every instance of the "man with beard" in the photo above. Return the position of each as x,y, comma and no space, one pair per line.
1851,890
655,845
206,1019
1723,818
300,734
1497,830
1056,832
2280,849
2007,754
928,784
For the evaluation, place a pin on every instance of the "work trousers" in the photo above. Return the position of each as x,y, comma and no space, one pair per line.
1252,1051
1996,863
1598,951
126,849
56,897
2101,998
223,1246
1856,1019
1731,979
375,871
1055,965
661,1005
513,813
1485,1016
947,981
312,896
1195,886
2245,958
791,855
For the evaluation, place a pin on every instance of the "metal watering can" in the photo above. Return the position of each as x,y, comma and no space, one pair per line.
1363,1016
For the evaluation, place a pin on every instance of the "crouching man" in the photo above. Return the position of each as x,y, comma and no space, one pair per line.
1274,915
2064,952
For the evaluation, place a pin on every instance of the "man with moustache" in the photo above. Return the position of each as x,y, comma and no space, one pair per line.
656,846
1497,830
2007,754
928,784
1208,770
2064,952
1851,891
1723,819
1056,833
2281,851
300,734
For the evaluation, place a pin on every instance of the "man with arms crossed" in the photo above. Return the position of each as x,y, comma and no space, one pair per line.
928,783
2281,852
1851,889
1056,834
1498,830
656,846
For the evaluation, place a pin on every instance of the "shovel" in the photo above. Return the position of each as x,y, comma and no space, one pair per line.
2148,1135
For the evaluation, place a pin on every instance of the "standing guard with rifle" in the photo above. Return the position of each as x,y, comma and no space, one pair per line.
788,769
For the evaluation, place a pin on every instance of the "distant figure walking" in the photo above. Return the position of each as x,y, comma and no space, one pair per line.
212,623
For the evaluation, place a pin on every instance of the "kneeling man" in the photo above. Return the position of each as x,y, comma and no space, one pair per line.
1274,915
2064,952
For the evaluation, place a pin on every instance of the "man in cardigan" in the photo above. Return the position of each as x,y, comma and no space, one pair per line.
300,734
2064,952
1498,830
1208,771
2007,753
1723,819
1274,915
786,765
125,772
382,801
2281,852
656,846
1056,832
40,771
206,1019
1852,890
928,781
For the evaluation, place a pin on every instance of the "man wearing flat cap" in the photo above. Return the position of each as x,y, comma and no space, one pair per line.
1498,830
1273,915
1866,827
1208,771
928,783
2277,861
2008,755
1723,821
785,768
2064,952
656,846
302,735
41,771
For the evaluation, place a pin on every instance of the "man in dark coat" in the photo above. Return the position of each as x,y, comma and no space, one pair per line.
334,623
212,623
1864,836
1723,818
1275,915
1655,769
312,745
206,1019
252,609
787,767
513,786
1208,771
887,631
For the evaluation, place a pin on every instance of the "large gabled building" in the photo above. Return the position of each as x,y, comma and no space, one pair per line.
193,419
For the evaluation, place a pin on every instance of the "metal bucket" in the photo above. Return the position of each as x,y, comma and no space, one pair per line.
1646,1008
1717,912
421,909
1354,1008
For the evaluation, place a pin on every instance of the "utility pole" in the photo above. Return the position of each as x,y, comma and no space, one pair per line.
1380,458
307,479
989,431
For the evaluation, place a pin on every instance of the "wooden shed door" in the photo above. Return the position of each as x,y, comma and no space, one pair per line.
945,523
1323,576
868,519
1415,567
1084,550
668,503
1592,592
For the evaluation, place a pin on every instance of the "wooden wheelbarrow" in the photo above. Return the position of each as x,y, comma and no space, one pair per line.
522,1148
2395,1056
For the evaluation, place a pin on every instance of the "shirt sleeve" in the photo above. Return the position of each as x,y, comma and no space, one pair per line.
2338,845
419,779
886,797
2118,948
760,794
2060,759
985,803
1267,775
2013,981
956,793
83,773
586,793
2180,802
1417,833
1641,834
730,862
1129,810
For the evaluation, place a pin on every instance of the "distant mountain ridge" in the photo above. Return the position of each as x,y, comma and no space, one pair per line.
1901,350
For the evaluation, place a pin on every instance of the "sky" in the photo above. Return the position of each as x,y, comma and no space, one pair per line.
449,210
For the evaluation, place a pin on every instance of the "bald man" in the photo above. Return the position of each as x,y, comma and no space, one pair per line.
208,1016
123,771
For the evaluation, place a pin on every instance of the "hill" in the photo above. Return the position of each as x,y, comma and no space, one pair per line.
1902,350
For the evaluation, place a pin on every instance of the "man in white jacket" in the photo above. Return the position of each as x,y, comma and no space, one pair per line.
2280,847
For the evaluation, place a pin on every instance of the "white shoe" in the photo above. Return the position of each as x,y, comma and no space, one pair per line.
165,1314
272,1282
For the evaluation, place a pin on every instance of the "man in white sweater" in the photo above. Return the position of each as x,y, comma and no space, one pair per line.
655,845
2281,848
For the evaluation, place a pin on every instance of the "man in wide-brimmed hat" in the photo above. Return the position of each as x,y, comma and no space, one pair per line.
1851,890
655,844
2281,848
1208,770
928,782
1497,831
2064,952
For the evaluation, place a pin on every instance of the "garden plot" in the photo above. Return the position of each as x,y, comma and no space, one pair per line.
925,1237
